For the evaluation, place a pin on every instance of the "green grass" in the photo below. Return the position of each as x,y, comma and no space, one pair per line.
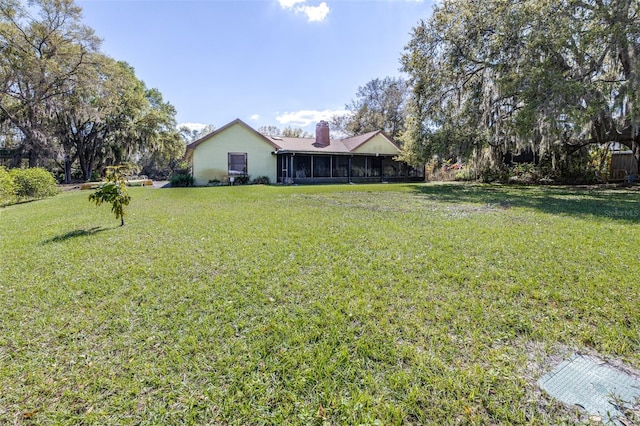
361,304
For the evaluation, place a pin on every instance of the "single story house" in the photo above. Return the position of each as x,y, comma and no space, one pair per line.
236,149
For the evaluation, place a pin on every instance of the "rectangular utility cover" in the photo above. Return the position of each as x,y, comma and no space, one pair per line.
591,384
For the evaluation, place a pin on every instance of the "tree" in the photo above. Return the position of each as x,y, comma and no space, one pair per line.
269,130
98,107
70,103
161,145
110,117
494,77
154,131
295,132
39,57
288,132
379,105
114,191
189,134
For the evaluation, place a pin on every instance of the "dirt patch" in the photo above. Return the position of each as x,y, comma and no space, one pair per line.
66,187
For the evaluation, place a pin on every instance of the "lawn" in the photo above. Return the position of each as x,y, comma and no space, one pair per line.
354,304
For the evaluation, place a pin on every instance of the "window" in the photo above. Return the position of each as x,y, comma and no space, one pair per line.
390,168
340,166
358,166
321,166
237,163
374,164
302,166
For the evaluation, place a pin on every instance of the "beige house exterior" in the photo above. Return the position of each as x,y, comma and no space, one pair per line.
236,149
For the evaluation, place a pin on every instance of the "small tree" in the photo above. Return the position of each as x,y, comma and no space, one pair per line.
113,191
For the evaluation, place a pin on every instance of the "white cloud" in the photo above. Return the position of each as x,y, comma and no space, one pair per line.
192,126
307,117
313,13
255,117
288,4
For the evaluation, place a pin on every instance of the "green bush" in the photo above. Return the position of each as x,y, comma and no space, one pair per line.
465,174
490,174
181,179
7,188
241,180
527,173
261,180
34,183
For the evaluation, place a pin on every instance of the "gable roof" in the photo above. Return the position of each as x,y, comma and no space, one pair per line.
298,145
355,142
307,145
336,146
208,136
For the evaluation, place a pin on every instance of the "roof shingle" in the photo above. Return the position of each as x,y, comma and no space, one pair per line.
336,146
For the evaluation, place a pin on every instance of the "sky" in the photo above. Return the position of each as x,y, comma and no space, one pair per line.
267,62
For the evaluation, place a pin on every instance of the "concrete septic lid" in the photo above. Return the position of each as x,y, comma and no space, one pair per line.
591,384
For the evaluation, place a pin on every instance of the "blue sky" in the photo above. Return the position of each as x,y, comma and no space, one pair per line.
267,62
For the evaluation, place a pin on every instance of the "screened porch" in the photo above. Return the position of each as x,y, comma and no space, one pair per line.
323,168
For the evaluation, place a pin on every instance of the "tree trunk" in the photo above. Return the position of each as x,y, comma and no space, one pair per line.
67,169
86,171
33,158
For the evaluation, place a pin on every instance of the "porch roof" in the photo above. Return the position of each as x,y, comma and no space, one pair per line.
310,146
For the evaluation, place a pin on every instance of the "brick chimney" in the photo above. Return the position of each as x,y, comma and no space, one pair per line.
322,133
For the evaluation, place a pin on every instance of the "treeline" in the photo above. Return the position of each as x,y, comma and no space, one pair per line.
487,80
67,107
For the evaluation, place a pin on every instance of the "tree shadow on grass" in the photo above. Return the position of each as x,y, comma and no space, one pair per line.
75,234
610,203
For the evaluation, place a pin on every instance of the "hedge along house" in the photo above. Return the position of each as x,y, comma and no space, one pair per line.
237,149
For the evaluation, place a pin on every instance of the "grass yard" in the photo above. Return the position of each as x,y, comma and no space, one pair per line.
361,304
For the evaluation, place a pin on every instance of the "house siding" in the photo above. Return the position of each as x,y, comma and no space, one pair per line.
377,144
210,158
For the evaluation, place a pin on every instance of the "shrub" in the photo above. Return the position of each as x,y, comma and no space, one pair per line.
7,188
181,179
241,180
34,183
490,174
465,174
526,173
261,180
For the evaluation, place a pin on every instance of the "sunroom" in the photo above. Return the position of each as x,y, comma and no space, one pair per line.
305,168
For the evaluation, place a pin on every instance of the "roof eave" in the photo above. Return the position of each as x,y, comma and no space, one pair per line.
349,153
197,142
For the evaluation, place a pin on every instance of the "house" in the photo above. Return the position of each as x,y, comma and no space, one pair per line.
237,149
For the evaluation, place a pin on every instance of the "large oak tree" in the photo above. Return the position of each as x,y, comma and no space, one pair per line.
494,76
41,57
71,103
